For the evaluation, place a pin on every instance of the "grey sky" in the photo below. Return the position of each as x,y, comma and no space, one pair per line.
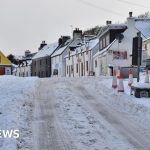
25,23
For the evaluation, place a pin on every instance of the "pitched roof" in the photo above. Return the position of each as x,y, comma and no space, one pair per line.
59,51
4,60
106,28
46,50
82,48
93,43
104,50
143,25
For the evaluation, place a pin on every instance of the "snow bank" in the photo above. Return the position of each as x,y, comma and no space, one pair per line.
16,110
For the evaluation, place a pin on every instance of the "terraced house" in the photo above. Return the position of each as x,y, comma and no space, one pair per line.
116,50
41,62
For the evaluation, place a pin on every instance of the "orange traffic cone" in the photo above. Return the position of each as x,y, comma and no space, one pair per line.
120,85
147,76
130,82
114,81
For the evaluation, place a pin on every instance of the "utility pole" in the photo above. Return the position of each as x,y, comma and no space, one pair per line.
139,55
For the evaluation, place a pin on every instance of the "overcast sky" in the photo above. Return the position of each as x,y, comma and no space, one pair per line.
25,23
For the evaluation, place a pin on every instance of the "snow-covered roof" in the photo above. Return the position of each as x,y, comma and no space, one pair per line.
59,51
104,50
46,50
14,65
106,28
93,43
143,25
29,62
84,46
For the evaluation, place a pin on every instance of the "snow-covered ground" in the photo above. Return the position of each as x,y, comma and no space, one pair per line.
16,96
72,114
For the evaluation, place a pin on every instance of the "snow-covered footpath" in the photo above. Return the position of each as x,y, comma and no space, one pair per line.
16,110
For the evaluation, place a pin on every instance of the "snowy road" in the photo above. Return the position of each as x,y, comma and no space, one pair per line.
49,135
77,114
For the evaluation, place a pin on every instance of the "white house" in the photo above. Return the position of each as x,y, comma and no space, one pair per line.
119,51
79,61
58,57
23,69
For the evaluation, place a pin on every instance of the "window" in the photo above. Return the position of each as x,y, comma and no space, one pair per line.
46,61
72,68
95,63
35,63
101,44
87,67
107,40
104,42
145,46
76,68
86,52
67,69
60,58
40,62
69,55
35,73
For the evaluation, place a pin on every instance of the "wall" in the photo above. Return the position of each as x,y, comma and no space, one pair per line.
23,71
41,67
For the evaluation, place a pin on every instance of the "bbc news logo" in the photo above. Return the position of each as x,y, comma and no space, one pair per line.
9,134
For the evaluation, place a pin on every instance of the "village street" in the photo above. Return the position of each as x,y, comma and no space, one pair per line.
82,114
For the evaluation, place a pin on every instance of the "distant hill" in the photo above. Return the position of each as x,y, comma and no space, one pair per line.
92,31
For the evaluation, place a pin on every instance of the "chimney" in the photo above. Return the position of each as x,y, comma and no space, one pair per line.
131,21
63,39
77,34
59,41
27,52
42,45
130,14
108,22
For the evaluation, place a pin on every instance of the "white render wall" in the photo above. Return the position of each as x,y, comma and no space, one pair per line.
146,49
83,62
106,60
23,71
57,64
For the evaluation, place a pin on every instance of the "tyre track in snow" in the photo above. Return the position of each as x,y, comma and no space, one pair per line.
126,127
47,130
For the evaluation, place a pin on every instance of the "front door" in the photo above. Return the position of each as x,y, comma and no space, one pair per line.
2,71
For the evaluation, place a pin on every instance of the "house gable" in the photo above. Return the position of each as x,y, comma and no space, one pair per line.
4,60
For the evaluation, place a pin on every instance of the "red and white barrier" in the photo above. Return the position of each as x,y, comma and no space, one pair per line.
120,85
130,81
114,81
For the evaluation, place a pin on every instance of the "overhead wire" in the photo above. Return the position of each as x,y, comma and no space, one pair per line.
100,8
133,4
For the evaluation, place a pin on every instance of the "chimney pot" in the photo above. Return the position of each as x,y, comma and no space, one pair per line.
108,22
130,14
